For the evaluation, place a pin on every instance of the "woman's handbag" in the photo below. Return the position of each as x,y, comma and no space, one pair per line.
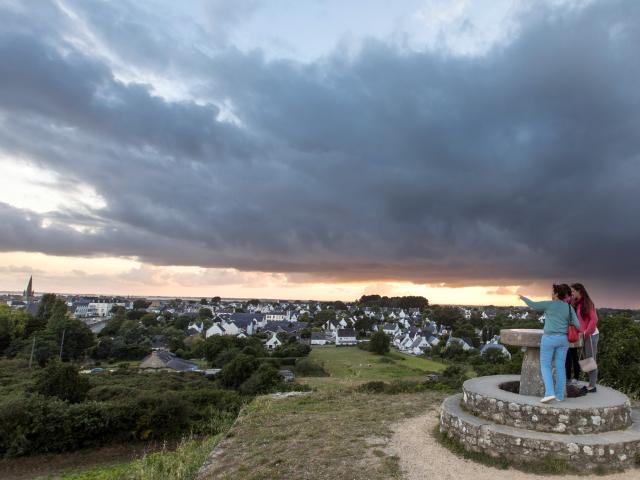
573,334
588,364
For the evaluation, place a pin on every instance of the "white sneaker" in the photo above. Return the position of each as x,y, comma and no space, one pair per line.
548,399
573,381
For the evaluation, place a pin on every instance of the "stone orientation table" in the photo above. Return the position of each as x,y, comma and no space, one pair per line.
529,339
598,430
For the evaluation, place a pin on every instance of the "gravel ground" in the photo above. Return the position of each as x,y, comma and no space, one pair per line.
422,457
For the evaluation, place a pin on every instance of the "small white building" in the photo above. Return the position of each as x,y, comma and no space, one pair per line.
273,342
319,338
275,316
346,336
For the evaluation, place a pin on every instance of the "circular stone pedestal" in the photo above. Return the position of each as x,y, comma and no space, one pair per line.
529,339
606,411
597,429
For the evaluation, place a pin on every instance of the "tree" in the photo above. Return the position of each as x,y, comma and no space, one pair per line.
364,324
113,325
618,353
323,316
447,316
205,312
466,331
73,335
215,300
263,380
234,373
379,343
62,380
141,304
149,320
203,301
6,331
338,305
181,322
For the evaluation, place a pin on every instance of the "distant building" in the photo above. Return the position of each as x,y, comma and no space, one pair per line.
273,342
162,360
319,338
275,316
346,336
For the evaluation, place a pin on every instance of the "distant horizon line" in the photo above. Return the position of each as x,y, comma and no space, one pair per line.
199,297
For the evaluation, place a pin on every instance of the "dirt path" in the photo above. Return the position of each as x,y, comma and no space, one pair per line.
421,456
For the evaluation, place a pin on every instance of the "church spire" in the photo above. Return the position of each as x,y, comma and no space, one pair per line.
28,293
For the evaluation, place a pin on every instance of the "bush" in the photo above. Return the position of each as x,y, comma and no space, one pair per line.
379,343
62,380
453,377
393,388
292,350
234,373
263,380
618,354
306,367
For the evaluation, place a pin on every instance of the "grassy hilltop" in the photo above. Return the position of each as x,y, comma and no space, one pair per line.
336,431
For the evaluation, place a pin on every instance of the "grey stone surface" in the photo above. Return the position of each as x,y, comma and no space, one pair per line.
521,337
605,411
529,339
618,449
531,382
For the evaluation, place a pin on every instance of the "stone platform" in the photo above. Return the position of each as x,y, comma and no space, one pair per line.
608,410
594,430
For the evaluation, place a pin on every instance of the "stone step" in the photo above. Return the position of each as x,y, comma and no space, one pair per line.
605,411
617,449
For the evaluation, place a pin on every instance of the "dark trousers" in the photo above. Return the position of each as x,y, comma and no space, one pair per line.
571,365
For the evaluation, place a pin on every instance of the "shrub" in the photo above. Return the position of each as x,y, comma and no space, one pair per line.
234,373
393,388
263,380
618,354
379,343
224,357
308,368
292,350
62,380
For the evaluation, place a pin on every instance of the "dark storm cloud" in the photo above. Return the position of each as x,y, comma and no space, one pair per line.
518,166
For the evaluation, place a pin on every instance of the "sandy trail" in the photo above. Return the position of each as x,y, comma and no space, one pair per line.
422,457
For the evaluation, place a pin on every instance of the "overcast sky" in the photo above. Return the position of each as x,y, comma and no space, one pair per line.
464,150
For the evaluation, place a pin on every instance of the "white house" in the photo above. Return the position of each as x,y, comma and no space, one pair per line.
215,329
346,336
273,342
391,329
319,338
195,326
465,346
275,316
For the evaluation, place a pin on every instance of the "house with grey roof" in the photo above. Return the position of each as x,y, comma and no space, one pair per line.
165,361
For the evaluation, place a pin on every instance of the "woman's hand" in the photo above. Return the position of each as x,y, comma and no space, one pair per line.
521,297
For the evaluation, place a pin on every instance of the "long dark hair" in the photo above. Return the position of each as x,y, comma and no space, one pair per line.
585,302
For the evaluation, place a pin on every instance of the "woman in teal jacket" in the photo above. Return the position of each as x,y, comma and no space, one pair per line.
554,342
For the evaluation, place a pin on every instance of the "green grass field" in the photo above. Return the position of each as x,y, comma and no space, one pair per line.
327,429
350,366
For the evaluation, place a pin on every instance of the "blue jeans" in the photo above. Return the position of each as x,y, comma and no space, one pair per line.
553,346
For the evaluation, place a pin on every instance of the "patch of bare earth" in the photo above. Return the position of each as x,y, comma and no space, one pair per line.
24,468
422,457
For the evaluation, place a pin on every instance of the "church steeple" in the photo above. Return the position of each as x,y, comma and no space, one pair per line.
28,293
